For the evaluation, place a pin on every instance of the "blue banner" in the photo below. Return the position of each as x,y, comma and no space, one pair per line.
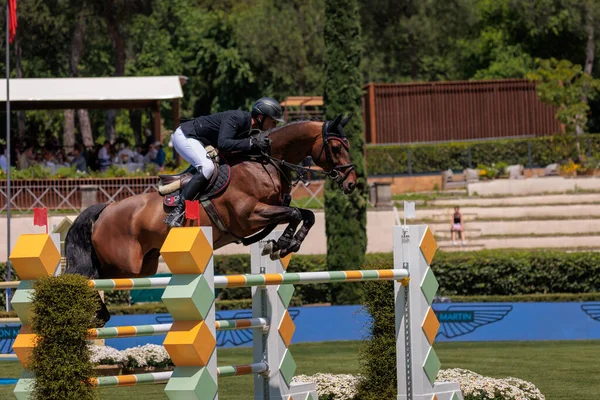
465,322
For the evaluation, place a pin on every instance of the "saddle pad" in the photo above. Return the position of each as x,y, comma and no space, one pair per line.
217,186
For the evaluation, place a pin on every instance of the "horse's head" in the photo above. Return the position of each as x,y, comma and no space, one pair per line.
332,153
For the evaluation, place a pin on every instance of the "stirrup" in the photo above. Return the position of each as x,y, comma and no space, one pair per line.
174,219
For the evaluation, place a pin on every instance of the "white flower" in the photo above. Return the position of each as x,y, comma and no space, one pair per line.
476,386
106,355
338,387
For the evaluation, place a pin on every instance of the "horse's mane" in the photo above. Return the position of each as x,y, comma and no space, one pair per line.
296,122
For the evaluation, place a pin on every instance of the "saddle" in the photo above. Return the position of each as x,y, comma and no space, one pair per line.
170,186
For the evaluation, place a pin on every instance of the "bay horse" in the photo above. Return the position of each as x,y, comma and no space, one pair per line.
123,239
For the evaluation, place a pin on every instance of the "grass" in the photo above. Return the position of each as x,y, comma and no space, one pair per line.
562,370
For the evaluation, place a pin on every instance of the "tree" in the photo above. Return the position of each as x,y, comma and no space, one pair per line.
563,85
346,216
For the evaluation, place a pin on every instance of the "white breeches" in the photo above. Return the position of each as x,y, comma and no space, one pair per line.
192,151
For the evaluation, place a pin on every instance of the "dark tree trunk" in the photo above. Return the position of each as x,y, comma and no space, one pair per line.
118,45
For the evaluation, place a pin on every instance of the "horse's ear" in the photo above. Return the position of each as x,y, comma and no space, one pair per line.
334,124
345,120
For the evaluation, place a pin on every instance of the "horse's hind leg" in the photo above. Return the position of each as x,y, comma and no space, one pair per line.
308,220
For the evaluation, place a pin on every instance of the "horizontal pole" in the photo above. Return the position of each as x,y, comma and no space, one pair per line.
305,278
9,285
130,284
132,380
235,324
244,369
163,377
161,329
249,280
8,357
10,321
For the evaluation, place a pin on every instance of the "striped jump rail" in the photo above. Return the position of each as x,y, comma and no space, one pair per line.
163,377
9,285
8,357
10,321
249,280
163,329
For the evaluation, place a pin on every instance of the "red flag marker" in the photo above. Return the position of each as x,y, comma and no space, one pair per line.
12,20
192,210
40,217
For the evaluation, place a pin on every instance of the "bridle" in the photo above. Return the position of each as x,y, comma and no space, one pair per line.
339,173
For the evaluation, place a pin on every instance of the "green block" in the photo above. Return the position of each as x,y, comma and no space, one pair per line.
288,367
432,365
429,286
22,301
191,383
24,386
455,396
310,397
188,297
285,293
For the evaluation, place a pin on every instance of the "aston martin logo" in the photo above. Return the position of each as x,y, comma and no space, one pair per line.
592,310
460,320
8,334
235,337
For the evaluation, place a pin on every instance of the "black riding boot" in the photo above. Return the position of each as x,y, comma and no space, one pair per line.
196,185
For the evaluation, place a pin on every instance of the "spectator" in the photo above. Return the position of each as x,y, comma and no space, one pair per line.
457,225
27,157
149,139
125,155
49,160
3,159
159,159
138,156
61,160
79,159
151,154
104,156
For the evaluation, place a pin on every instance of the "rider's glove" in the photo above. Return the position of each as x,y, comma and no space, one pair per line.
263,144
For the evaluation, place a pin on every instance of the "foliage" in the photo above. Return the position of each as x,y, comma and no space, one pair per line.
393,159
564,85
64,309
493,171
346,220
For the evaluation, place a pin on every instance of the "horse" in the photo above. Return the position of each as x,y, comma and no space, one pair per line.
123,239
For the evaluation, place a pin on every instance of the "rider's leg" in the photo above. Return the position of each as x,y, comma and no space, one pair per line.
194,153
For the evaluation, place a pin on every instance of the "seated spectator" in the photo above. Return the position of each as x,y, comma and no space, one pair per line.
39,159
104,160
61,160
125,154
79,159
151,154
457,225
3,159
138,156
26,158
159,159
49,160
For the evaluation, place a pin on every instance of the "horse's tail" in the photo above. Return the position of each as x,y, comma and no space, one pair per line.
79,251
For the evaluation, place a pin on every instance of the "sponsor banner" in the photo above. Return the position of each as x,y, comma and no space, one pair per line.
458,322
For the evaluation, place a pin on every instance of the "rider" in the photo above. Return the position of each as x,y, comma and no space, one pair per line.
226,132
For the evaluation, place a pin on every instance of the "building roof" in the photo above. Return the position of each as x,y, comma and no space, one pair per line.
102,93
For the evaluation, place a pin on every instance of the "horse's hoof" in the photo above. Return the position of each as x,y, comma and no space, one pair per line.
269,248
275,256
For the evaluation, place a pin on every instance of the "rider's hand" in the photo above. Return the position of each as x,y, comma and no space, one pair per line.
260,143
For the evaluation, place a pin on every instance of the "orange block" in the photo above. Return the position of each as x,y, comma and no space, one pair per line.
287,328
34,256
186,250
190,343
24,344
285,261
431,325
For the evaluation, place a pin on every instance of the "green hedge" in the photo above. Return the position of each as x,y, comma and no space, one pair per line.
393,159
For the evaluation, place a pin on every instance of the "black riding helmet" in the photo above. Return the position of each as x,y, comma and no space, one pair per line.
269,107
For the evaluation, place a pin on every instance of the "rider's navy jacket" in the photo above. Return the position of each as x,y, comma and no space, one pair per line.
221,130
